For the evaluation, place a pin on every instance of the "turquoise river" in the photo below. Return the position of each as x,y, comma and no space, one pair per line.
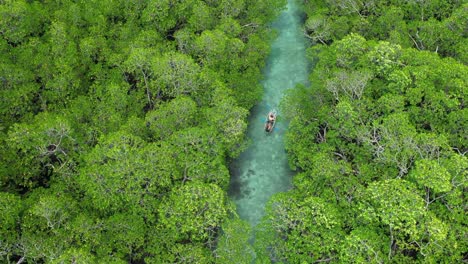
262,170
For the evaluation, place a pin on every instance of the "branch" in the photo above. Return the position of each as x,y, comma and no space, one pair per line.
324,260
415,43
254,25
313,39
20,260
147,89
340,155
459,152
391,244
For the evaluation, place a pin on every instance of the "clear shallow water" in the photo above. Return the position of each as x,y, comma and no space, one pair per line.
262,170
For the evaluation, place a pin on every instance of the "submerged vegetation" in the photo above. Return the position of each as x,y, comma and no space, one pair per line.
118,118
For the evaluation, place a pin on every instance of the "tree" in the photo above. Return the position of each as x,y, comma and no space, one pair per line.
61,77
111,106
116,174
385,58
401,135
318,29
114,123
171,116
163,249
364,245
231,8
75,255
211,47
44,236
349,85
40,148
53,213
123,236
299,230
454,24
349,50
262,12
433,234
231,128
194,212
20,20
197,156
202,17
139,64
430,174
233,244
394,142
174,75
165,15
10,209
394,205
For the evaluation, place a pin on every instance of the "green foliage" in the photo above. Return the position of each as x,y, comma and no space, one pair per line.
349,50
262,11
170,117
113,111
194,211
430,174
10,209
233,245
299,230
385,58
78,255
175,75
197,157
117,118
44,224
363,245
229,120
39,148
395,204
431,25
179,252
20,20
379,135
122,234
118,174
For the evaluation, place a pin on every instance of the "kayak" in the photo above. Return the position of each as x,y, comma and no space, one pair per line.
270,122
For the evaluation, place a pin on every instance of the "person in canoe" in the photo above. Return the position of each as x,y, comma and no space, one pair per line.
271,120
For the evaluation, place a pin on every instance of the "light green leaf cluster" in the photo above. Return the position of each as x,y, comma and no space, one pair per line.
193,211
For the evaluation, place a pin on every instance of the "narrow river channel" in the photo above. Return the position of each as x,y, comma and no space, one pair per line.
262,170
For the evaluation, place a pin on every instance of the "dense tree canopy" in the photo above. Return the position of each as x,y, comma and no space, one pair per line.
115,138
378,139
113,127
